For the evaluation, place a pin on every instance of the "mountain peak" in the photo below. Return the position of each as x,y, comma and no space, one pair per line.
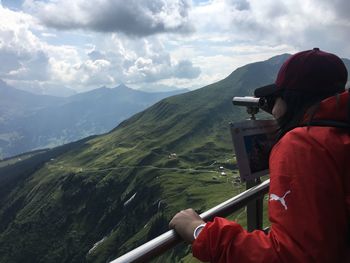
122,86
279,59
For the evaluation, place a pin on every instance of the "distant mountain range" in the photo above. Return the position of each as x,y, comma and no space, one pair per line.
30,121
52,90
95,199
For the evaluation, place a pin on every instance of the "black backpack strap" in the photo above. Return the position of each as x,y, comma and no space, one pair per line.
328,123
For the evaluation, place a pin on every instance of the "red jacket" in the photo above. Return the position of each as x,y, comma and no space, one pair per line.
309,200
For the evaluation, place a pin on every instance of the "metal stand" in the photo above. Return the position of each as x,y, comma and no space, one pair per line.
252,110
254,209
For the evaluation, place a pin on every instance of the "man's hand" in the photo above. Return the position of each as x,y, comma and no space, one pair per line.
185,223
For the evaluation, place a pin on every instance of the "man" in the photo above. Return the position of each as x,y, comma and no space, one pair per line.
309,196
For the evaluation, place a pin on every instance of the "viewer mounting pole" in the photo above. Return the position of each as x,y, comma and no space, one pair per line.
255,207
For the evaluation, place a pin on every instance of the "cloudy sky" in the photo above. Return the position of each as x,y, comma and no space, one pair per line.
157,44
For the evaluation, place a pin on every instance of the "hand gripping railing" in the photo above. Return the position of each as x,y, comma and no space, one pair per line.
169,239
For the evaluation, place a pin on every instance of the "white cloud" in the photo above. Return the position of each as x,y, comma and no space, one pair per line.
141,52
25,57
113,58
134,17
185,70
20,50
147,60
270,21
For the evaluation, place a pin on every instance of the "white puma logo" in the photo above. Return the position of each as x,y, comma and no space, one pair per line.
274,197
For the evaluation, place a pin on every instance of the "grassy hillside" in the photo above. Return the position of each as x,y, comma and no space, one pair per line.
122,188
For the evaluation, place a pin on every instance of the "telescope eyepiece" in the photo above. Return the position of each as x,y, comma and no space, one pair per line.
266,104
248,101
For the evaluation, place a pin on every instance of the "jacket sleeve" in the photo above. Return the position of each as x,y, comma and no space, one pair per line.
306,211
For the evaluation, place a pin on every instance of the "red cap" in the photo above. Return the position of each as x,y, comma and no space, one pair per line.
311,71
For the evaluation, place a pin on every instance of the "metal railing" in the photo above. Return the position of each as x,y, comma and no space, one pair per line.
169,239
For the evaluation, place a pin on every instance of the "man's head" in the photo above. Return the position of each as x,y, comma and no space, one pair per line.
312,74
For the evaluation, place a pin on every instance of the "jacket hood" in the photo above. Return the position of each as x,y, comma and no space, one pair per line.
335,108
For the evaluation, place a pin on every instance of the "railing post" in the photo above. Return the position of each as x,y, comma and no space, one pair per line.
254,209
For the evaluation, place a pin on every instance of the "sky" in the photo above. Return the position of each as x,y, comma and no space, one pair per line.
157,45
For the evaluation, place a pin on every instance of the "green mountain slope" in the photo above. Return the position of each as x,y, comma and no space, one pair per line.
99,198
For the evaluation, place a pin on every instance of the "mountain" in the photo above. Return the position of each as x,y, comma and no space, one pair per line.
15,103
52,90
97,198
29,121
